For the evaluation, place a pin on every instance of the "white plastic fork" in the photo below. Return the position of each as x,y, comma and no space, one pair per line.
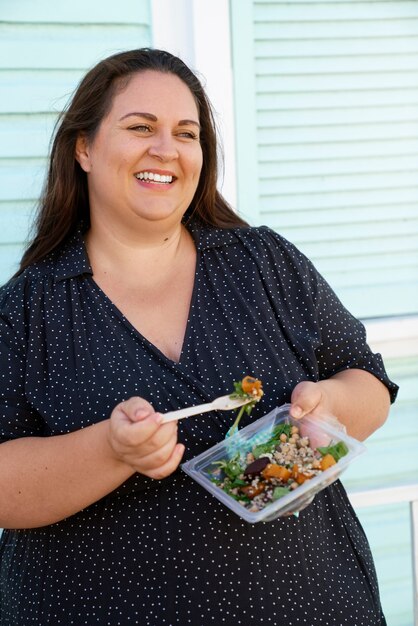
223,403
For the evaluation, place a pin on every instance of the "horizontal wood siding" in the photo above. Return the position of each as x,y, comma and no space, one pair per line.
45,48
390,460
336,151
327,154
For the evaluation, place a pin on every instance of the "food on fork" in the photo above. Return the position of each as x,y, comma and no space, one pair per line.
247,388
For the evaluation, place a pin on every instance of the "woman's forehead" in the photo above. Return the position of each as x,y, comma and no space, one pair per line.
151,90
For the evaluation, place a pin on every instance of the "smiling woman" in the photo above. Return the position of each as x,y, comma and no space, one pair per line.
130,152
144,292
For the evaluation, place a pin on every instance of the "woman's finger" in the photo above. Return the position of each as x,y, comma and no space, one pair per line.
306,396
135,409
170,465
156,456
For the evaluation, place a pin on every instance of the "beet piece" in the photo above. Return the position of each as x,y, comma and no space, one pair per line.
257,466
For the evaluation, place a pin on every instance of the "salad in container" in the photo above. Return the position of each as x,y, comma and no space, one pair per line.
275,466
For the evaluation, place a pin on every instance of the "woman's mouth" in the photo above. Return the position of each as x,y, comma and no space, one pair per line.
162,179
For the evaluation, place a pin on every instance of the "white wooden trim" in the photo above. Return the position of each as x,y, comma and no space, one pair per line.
396,495
393,337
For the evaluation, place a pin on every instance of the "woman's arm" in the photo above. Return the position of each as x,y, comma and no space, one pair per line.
357,398
45,479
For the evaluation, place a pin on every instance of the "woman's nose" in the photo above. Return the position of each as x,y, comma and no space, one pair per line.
163,147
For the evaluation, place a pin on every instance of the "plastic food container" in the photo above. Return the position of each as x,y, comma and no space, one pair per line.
320,433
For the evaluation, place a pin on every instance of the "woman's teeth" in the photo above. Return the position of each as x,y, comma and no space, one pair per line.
156,178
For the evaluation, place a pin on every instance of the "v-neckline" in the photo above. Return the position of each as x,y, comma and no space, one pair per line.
141,336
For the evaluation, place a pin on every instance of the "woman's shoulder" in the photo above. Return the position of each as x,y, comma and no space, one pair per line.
266,243
18,289
66,261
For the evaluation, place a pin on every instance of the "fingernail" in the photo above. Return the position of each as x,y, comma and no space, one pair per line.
140,414
296,411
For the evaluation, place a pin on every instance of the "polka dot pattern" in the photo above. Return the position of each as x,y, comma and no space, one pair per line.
166,553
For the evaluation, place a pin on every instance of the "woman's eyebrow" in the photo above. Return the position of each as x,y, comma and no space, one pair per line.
148,116
154,118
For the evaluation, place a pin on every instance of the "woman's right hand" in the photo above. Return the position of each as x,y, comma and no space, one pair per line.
46,479
138,439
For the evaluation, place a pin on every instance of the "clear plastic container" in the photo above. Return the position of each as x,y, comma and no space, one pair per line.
320,433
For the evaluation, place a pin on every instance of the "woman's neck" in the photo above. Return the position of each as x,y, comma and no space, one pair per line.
154,252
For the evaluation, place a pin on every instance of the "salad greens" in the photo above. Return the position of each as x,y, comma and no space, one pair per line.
275,467
248,388
337,451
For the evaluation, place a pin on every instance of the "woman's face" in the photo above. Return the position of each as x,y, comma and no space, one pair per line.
145,160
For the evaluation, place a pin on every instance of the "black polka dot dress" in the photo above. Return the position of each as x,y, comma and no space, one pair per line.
166,553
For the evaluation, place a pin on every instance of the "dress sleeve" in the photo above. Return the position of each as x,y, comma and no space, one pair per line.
343,338
17,417
340,339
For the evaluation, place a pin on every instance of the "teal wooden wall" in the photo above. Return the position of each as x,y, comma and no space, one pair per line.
327,138
326,97
391,459
45,48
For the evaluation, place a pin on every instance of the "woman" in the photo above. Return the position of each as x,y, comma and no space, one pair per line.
143,292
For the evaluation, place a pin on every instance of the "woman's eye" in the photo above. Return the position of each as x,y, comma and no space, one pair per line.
188,134
142,128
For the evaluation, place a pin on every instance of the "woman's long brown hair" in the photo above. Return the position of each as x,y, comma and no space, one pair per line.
64,201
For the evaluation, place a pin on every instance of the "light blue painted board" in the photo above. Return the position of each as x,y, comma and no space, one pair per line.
357,263
324,185
76,11
306,100
395,299
351,132
370,148
382,276
340,200
24,135
325,2
15,218
337,29
277,170
352,262
21,179
318,250
10,256
388,528
393,566
347,64
337,82
320,11
317,48
81,45
32,91
358,215
348,231
375,468
329,116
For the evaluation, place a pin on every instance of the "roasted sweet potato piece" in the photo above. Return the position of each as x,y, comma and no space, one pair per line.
327,461
251,491
300,477
276,471
250,384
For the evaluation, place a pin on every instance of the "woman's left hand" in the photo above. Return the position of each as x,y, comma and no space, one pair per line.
308,397
353,399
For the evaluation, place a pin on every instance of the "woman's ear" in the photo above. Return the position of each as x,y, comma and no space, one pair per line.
82,153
